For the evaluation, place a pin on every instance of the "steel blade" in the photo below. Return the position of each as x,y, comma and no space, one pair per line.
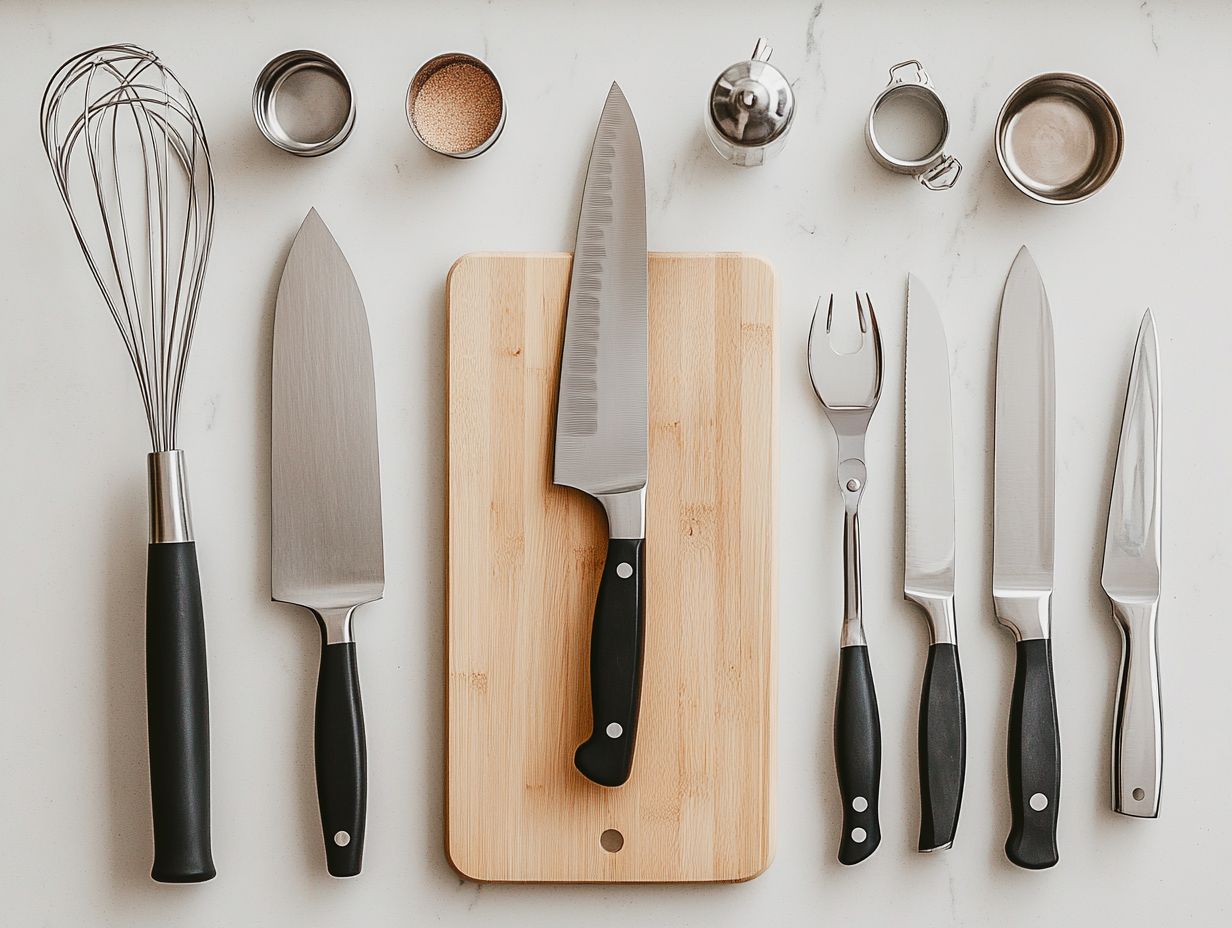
1024,458
601,430
326,494
1132,544
930,449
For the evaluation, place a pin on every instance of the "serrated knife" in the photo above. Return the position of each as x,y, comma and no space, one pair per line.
326,500
928,576
1024,473
601,425
1131,580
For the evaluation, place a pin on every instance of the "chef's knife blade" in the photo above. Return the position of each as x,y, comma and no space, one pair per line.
1131,579
601,425
929,570
326,500
1023,537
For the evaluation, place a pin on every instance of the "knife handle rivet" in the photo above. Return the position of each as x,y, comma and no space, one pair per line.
859,803
853,484
858,835
341,838
1139,794
624,570
614,730
1039,802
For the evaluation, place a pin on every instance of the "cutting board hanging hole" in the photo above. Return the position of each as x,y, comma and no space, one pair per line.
611,840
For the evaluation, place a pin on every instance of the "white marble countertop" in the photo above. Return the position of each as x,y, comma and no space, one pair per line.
73,768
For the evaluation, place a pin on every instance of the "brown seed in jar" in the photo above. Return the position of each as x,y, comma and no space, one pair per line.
457,108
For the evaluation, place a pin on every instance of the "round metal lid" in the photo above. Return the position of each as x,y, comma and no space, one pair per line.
751,103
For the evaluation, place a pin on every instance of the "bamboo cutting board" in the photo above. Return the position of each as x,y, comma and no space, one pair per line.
524,563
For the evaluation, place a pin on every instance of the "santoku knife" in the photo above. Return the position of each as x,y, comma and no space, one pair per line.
1023,539
929,570
1131,580
327,543
601,426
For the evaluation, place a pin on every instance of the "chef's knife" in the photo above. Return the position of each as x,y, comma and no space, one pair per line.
601,431
1023,537
929,572
327,545
1131,580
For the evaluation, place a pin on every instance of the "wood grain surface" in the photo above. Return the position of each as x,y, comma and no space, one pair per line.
524,559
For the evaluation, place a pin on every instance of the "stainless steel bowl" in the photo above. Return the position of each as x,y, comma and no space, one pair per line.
303,103
1059,137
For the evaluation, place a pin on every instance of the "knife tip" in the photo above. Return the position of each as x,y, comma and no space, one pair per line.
1146,328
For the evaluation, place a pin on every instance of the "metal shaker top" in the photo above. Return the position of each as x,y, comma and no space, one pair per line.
751,103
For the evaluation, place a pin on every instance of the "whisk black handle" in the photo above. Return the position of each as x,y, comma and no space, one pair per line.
179,719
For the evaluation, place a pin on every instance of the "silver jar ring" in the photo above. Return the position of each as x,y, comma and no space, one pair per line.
910,102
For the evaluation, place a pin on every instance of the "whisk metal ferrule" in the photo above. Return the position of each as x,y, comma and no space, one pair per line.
170,517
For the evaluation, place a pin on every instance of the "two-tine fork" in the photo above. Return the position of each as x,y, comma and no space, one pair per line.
849,386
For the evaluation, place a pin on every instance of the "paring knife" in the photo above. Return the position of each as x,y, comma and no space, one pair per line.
929,572
1131,580
601,430
327,545
1022,563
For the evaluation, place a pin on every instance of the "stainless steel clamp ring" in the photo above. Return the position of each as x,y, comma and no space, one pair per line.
935,169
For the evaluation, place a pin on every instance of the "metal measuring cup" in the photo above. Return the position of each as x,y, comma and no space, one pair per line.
935,169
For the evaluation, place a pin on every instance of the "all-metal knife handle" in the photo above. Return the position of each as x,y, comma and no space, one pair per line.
1137,751
857,754
341,758
942,747
616,643
1034,759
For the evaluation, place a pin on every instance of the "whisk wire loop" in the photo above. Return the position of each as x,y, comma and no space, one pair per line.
124,138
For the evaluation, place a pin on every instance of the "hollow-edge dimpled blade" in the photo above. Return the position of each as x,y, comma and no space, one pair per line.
601,424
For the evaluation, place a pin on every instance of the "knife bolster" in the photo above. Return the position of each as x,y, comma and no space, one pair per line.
626,513
1027,614
336,624
939,611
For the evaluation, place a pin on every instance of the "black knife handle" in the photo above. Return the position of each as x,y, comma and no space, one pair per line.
857,754
178,714
1034,759
616,641
342,759
943,747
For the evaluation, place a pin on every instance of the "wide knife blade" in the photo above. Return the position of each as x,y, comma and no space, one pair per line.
601,425
1024,462
1131,572
327,539
1023,529
929,571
